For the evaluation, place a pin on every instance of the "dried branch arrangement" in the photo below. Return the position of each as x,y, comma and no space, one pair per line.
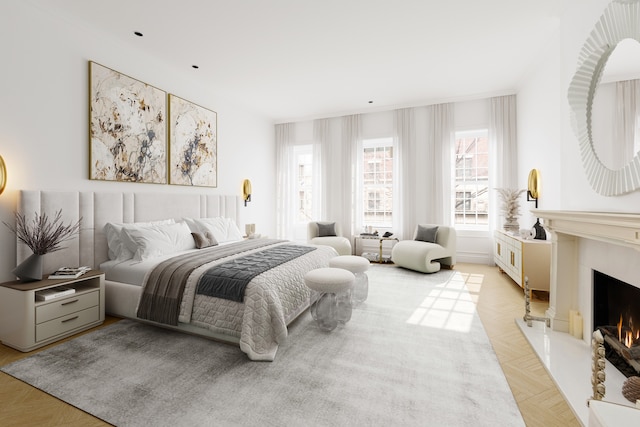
42,235
510,203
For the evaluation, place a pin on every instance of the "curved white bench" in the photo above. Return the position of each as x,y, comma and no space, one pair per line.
427,257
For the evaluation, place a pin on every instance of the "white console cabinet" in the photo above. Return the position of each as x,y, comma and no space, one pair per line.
27,323
523,257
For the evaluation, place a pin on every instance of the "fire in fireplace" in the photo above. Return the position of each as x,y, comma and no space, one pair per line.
616,312
627,333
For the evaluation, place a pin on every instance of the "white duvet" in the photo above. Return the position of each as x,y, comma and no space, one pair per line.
272,300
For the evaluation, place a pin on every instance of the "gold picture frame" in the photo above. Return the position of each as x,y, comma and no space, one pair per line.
127,128
193,144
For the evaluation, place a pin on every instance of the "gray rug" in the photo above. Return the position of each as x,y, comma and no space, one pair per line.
413,354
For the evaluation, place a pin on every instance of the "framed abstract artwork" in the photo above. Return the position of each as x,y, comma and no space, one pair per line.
128,130
193,144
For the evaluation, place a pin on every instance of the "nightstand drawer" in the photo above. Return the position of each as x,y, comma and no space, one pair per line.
66,305
67,323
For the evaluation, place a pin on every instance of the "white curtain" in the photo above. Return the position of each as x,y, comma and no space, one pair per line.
626,136
348,198
503,145
285,181
320,170
439,148
405,189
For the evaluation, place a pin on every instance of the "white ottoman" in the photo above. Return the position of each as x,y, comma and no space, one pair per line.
358,266
331,299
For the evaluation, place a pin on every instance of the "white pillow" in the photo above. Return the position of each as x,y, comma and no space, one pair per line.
158,240
117,247
193,226
223,229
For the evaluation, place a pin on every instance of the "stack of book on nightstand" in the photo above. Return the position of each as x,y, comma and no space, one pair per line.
69,272
52,293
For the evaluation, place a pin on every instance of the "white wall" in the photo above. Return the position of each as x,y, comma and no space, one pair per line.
546,140
539,130
44,117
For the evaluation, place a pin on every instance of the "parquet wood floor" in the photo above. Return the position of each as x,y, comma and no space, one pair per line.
499,301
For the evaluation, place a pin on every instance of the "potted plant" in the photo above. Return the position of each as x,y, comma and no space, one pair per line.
510,208
42,236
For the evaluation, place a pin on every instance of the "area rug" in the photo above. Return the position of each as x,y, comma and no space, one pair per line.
413,354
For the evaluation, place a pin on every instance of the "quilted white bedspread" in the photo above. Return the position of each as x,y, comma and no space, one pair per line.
272,300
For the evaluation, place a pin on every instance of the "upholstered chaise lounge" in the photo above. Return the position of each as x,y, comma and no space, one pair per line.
432,246
328,233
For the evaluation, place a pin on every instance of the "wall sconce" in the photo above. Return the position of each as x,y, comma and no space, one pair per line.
533,190
246,191
533,194
3,175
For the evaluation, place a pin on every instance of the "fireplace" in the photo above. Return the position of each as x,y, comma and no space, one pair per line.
581,243
616,312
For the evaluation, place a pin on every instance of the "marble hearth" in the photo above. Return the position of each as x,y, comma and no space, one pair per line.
581,243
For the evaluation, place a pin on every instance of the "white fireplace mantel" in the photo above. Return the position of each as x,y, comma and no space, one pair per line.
566,228
615,228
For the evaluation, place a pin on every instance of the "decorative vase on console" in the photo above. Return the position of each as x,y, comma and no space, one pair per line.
510,208
42,236
540,234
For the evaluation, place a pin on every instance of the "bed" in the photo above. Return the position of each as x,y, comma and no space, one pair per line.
256,321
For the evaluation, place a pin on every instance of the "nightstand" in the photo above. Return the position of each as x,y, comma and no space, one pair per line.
27,323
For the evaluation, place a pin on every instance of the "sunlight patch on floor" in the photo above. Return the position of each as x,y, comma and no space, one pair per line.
449,306
473,283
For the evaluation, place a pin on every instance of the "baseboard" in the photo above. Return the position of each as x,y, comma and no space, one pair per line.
474,258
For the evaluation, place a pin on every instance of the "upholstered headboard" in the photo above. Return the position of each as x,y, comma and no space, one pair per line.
96,209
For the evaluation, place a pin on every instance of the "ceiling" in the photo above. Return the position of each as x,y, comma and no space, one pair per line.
299,59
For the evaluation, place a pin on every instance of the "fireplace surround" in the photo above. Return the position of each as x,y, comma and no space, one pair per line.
581,243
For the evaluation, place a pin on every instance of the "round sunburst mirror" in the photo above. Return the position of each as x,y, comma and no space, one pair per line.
620,21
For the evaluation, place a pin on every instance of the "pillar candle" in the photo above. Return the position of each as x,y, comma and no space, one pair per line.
577,326
572,315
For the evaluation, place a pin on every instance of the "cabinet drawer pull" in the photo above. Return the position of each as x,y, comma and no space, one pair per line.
70,302
69,320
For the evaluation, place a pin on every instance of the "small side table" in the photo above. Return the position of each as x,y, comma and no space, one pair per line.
26,323
380,239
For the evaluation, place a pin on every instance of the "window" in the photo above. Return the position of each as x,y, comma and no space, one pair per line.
303,157
471,180
377,182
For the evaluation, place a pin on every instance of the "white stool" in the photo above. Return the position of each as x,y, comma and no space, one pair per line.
358,266
331,299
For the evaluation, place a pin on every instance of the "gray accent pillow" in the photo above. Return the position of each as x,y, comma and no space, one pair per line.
326,229
427,234
204,240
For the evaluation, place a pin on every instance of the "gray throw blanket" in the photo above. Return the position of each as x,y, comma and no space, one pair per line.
229,279
163,289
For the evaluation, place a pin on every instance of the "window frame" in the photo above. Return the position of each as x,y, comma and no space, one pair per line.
300,150
384,205
484,180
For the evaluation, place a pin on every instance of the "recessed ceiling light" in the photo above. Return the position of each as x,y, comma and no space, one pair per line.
195,66
370,102
138,33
